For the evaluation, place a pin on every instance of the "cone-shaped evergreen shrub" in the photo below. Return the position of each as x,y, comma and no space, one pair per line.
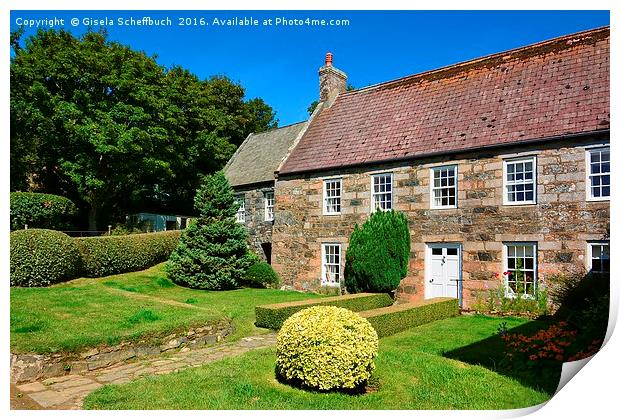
212,252
378,253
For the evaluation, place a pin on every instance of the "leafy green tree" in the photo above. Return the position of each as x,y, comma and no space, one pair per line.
109,128
378,254
47,211
212,253
261,116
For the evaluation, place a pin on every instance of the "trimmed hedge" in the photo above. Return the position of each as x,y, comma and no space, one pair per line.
397,318
46,211
273,316
326,348
107,255
41,257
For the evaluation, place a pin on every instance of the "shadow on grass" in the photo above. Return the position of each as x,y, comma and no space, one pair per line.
366,387
490,354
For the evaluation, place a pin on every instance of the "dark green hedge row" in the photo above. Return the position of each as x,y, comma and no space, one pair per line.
41,257
272,316
107,255
397,318
45,211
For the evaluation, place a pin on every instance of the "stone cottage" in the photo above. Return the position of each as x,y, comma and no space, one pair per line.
250,171
500,163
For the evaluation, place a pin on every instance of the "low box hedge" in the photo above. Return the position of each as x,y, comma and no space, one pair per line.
42,257
107,255
272,316
397,318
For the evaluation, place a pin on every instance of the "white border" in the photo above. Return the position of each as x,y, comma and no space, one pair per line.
592,393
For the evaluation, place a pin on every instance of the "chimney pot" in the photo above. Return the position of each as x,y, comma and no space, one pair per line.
331,81
329,59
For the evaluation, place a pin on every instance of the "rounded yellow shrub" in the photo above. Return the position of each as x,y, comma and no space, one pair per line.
326,347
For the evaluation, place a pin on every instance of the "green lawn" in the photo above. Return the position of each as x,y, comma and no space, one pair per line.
88,312
412,373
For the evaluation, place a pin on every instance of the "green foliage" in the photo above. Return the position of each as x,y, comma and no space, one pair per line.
413,373
212,253
106,255
518,302
272,316
583,300
378,254
326,348
41,257
84,313
496,301
143,316
261,274
45,211
215,199
328,290
100,123
397,318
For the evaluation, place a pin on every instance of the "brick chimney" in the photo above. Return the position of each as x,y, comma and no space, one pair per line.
331,81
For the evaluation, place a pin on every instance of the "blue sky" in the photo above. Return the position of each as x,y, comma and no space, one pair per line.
280,63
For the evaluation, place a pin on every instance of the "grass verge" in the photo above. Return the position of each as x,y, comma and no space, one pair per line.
88,312
412,373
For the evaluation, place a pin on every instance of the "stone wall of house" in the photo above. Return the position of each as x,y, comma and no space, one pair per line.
560,223
259,230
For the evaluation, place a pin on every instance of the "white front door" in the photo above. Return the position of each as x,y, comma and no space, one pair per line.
443,277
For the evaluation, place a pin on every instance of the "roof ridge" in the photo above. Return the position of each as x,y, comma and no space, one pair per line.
474,62
278,128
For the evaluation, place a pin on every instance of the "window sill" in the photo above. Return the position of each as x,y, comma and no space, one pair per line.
596,199
520,203
444,208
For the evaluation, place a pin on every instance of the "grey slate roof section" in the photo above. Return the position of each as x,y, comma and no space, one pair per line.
260,155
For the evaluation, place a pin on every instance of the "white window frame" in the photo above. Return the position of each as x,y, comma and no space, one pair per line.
508,291
505,182
240,199
589,196
335,197
589,254
434,189
270,202
373,195
324,264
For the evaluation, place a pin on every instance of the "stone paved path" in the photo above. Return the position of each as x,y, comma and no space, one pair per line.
68,392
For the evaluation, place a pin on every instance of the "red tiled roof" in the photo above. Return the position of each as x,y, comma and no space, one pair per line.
553,88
